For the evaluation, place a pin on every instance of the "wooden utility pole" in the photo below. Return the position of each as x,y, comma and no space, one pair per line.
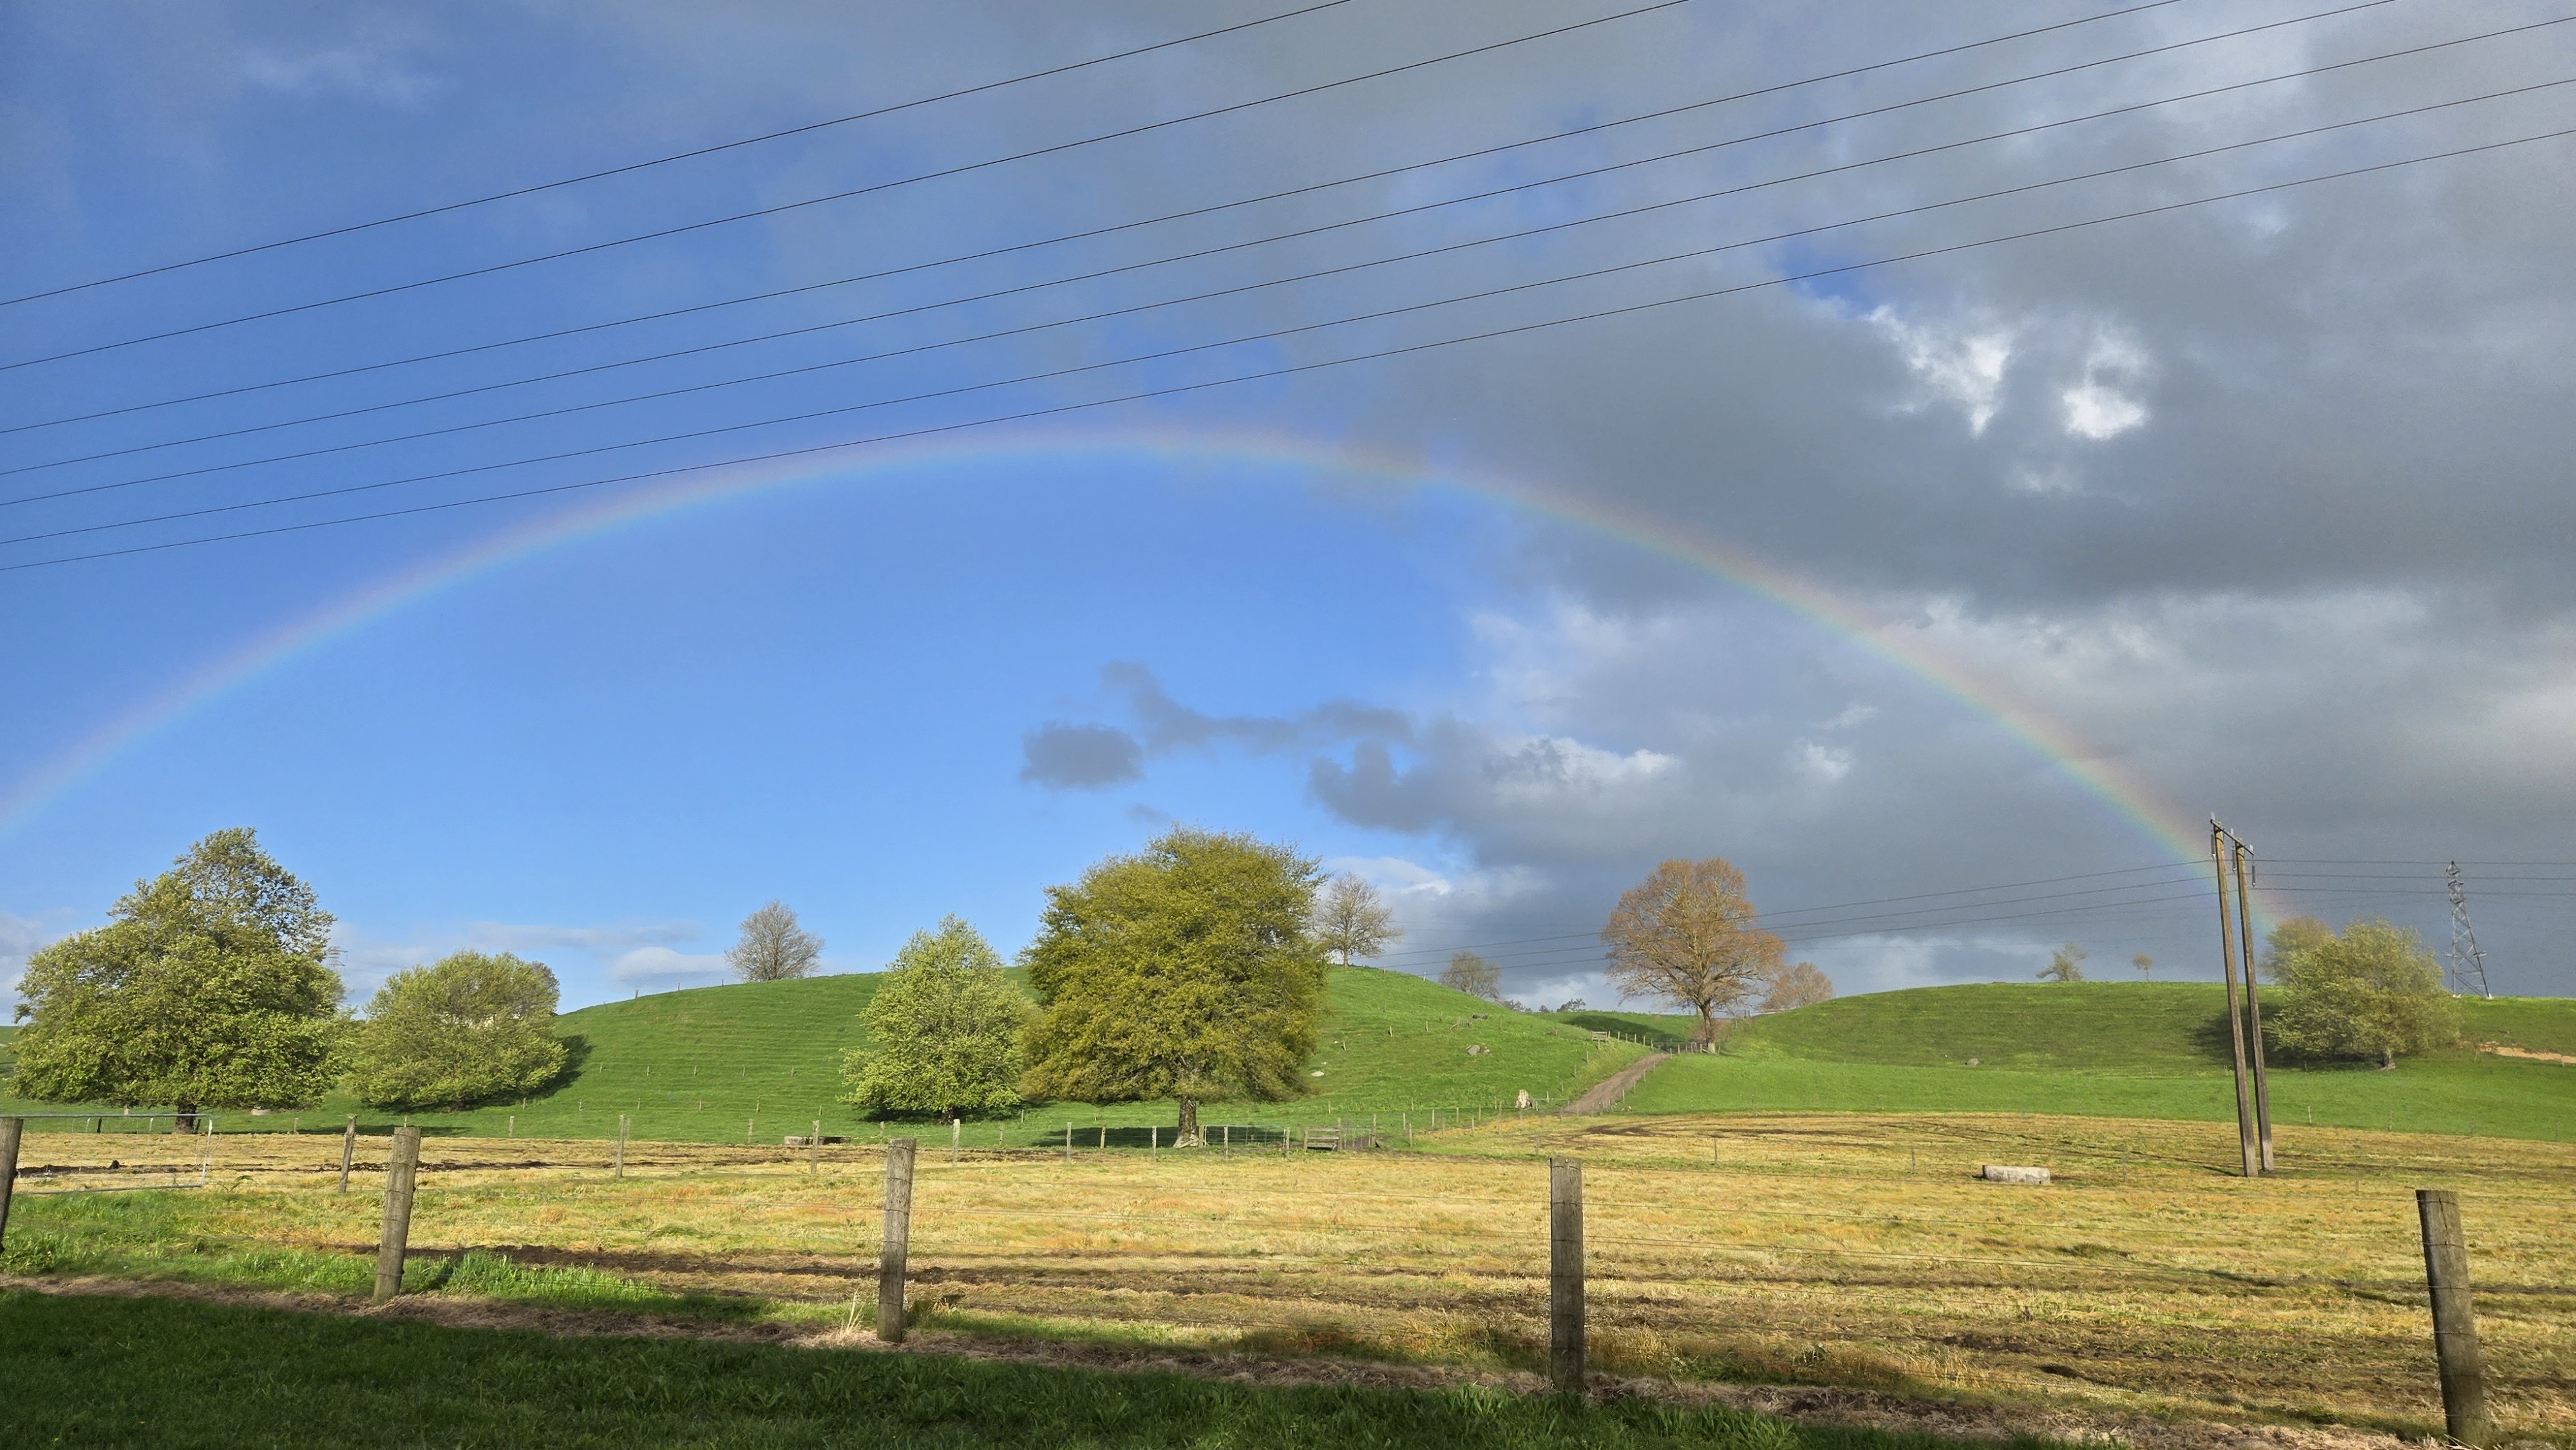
348,1150
11,1130
1565,1274
402,1168
891,1259
2246,1150
2455,1324
2243,860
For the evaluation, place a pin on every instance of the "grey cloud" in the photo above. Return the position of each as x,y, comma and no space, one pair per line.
1080,757
1065,756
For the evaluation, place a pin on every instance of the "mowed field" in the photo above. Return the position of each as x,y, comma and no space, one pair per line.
754,1062
1854,1250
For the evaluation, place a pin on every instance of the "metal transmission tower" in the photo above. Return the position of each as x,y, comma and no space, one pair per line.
2468,964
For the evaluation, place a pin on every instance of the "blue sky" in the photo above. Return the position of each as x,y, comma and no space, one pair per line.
2186,489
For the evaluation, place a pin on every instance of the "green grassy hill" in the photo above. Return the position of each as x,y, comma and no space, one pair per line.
2113,1049
756,1061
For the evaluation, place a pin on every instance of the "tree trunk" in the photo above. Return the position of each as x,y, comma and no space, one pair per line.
1188,1136
186,1121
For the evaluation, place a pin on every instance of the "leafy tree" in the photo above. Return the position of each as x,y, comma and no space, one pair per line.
947,1026
1800,986
773,948
465,1029
1473,975
1186,971
2145,965
2291,937
2066,964
2374,991
1686,935
210,986
1352,922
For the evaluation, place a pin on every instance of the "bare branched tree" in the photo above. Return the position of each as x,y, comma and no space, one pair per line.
1473,975
773,947
1686,935
1800,986
2066,964
1351,922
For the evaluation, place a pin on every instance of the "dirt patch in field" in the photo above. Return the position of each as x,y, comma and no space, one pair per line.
2525,1053
1863,1408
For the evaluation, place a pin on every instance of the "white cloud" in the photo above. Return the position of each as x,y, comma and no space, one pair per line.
1825,763
647,966
1961,366
20,938
2096,407
363,74
1856,715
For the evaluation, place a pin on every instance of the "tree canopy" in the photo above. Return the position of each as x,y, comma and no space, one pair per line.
2374,991
210,986
946,1023
1686,935
1803,985
465,1029
1473,975
1189,970
2066,964
773,947
1351,922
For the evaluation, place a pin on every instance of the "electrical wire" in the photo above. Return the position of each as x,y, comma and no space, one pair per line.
1301,368
1290,192
1157,356
1027,287
633,166
872,188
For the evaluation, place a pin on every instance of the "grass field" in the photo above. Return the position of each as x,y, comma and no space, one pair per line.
1855,1250
2112,1049
224,1376
755,1062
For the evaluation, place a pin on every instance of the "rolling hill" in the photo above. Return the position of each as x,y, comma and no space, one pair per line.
757,1061
2112,1049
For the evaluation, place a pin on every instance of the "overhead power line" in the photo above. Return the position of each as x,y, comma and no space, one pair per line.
1062,237
962,169
1198,254
1057,410
1166,354
633,166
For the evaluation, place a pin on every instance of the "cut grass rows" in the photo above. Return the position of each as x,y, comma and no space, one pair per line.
1852,1250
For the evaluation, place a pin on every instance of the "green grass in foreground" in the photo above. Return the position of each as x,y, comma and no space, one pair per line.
169,1373
757,1061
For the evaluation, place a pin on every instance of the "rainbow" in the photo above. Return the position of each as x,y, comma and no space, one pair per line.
2094,770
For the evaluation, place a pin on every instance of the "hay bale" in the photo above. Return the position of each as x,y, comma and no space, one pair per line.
2007,1173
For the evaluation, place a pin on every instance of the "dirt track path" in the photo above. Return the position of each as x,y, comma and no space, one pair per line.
1606,1094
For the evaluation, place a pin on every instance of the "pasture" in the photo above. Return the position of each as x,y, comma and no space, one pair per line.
1853,1250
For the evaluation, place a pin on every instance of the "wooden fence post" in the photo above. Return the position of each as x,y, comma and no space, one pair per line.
621,1145
956,1138
1565,1274
898,1240
814,1151
402,1168
2455,1325
11,1129
348,1150
1068,1144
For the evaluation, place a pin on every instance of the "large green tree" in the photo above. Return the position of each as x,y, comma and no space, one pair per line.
946,1023
210,986
2374,991
465,1029
1186,971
